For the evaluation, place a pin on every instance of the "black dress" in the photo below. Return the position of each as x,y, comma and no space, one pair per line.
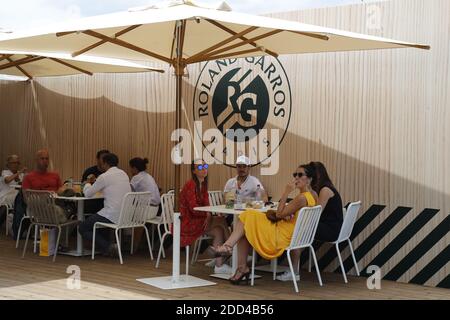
331,218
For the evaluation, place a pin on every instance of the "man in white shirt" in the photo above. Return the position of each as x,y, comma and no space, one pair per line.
113,184
142,181
244,183
10,178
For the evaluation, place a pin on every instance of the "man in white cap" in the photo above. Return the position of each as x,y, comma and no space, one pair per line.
244,183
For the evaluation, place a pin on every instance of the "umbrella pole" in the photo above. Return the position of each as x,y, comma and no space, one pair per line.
179,87
179,71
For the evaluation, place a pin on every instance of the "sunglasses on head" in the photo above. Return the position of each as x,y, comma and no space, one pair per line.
202,166
298,174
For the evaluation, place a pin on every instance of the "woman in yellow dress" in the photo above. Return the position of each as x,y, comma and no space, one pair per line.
270,234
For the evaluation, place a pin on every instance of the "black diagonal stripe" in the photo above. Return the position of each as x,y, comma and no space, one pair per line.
387,225
360,225
445,283
433,267
402,238
426,244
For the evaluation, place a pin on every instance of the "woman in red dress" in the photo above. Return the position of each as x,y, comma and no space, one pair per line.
196,223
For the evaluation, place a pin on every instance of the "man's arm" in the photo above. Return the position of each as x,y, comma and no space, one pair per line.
85,175
91,189
9,179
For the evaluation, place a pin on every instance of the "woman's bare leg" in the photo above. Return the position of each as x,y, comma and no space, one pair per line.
218,238
243,251
236,235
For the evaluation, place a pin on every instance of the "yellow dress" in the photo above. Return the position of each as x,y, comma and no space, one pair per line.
270,239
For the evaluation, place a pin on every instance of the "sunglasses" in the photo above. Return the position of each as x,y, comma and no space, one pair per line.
298,174
202,166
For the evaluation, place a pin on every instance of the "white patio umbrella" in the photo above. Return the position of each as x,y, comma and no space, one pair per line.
44,64
184,32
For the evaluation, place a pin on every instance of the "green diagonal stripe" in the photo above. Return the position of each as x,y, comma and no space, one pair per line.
445,283
403,237
433,267
422,248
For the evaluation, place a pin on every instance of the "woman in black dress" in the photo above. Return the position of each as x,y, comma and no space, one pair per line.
329,198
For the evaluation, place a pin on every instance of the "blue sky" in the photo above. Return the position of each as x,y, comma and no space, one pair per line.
22,14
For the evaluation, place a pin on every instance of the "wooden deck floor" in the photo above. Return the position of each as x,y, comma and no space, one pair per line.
37,277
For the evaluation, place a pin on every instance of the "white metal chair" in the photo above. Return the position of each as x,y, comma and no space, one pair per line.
155,221
133,214
215,199
44,213
350,216
19,232
167,204
303,237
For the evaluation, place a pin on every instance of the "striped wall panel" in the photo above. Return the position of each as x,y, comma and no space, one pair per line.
413,232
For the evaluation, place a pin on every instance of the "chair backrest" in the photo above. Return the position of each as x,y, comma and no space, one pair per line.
349,221
305,227
41,206
134,209
215,198
167,204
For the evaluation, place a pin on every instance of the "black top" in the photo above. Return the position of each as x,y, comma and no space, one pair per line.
92,170
332,213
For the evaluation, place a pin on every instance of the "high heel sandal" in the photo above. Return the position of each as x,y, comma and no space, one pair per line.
245,276
221,251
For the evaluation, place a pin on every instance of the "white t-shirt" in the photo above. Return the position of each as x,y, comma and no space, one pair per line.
143,182
248,187
113,184
7,190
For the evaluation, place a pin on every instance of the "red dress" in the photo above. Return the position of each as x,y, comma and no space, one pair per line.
192,222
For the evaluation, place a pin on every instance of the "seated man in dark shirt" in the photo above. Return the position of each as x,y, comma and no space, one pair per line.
95,170
93,206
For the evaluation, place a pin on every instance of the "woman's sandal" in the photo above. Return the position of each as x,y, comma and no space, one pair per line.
221,251
244,276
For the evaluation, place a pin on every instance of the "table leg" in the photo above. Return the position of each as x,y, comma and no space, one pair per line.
80,216
234,258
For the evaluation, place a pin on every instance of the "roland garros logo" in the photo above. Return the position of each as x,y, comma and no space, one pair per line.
249,101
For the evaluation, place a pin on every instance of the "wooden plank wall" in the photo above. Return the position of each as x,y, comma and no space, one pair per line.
378,120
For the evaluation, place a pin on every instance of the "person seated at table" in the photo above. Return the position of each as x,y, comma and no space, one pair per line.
94,205
113,184
143,182
38,179
269,234
244,183
195,223
94,170
41,178
10,178
332,216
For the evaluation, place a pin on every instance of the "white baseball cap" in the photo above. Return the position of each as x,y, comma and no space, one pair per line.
243,160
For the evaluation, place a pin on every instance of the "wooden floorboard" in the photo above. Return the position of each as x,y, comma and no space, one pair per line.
37,277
